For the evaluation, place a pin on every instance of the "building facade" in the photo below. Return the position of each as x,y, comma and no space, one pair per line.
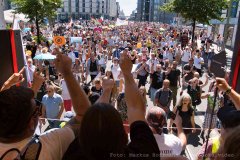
219,27
7,5
85,9
149,10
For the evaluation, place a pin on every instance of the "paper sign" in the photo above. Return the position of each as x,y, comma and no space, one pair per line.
59,40
76,40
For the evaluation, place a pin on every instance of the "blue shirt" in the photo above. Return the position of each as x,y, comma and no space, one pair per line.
52,105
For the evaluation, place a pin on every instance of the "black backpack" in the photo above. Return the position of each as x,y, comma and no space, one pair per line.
30,152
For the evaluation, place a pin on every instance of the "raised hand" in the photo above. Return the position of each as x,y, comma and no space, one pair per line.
222,84
63,63
107,83
17,77
125,63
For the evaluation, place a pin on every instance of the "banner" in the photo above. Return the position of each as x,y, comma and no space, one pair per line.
76,40
121,22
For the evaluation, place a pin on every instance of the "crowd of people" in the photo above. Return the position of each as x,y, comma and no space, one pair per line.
117,92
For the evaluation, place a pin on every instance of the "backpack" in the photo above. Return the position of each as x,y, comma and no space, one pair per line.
30,152
169,94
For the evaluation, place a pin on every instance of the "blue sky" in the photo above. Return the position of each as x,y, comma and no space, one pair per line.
127,6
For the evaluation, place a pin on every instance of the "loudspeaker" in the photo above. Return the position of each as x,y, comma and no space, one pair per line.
11,55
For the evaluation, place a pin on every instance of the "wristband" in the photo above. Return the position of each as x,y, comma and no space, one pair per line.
228,91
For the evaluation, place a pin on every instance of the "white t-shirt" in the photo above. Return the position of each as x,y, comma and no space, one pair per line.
155,61
31,70
186,56
65,93
197,62
72,56
55,143
168,144
115,71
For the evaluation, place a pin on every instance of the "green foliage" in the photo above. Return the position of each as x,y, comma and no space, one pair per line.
39,8
197,10
41,38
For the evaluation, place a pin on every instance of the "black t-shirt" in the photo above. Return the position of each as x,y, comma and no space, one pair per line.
143,143
93,89
173,77
157,79
186,118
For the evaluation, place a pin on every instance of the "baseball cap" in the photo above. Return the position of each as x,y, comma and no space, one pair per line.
229,116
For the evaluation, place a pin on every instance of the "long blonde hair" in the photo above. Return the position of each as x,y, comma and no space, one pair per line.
185,95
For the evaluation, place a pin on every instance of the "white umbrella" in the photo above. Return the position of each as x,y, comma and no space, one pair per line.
44,56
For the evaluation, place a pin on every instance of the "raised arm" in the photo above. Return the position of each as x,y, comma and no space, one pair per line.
234,96
16,78
79,98
134,100
183,80
107,89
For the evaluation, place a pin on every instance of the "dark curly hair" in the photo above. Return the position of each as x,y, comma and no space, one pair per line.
15,110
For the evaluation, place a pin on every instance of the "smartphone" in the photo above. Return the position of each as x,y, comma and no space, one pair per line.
172,115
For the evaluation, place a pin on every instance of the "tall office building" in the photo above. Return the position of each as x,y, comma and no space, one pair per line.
149,10
85,9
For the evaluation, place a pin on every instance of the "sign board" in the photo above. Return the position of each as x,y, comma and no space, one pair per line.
59,40
76,40
218,64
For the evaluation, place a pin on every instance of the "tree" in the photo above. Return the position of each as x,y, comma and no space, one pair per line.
201,11
37,10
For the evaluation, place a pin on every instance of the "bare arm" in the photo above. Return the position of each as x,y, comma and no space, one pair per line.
206,82
234,96
107,90
134,100
79,98
181,135
193,122
16,78
183,80
61,111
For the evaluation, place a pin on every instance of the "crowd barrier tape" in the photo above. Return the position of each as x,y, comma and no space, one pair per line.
127,125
